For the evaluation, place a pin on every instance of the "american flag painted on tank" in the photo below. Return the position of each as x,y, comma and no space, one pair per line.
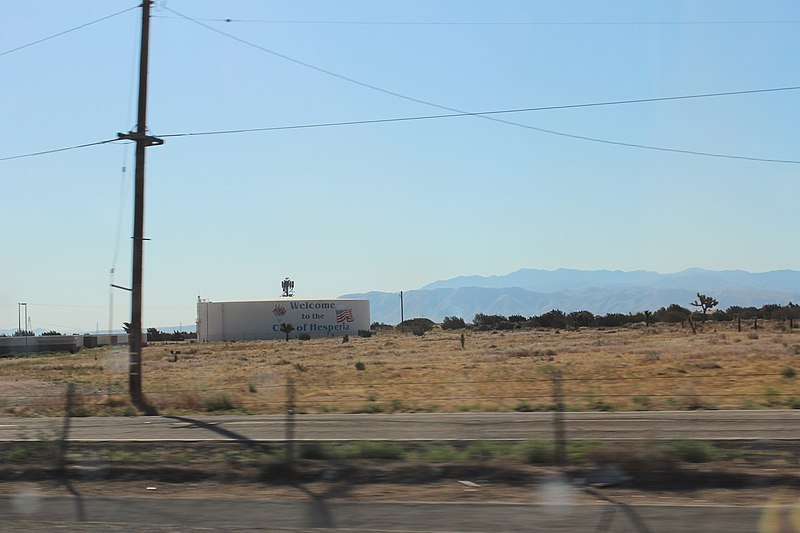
344,315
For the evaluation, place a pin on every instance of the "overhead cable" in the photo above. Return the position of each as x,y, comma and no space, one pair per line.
467,113
455,115
43,152
67,31
481,113
497,23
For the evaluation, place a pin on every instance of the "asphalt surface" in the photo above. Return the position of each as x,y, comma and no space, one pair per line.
649,425
27,512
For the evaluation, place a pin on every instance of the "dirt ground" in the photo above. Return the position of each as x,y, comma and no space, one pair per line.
630,368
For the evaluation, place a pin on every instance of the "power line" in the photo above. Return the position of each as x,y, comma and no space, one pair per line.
55,150
483,116
430,117
68,31
467,114
522,110
495,23
483,113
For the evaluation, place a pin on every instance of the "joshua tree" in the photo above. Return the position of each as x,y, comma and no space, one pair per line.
287,328
704,303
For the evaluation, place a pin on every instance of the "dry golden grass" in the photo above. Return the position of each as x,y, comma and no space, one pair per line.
661,367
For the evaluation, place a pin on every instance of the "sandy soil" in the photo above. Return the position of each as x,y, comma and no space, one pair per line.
633,368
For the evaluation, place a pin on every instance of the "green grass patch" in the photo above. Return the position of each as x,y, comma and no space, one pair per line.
371,408
372,450
439,453
693,451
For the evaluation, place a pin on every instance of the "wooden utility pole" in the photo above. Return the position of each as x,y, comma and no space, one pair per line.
142,141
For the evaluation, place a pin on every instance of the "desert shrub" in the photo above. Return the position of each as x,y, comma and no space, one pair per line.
553,319
304,336
531,322
642,402
772,397
789,372
745,313
483,450
441,453
598,404
395,405
539,452
380,326
674,313
417,326
523,407
453,322
484,322
693,402
721,316
221,402
612,320
693,451
345,338
189,401
580,319
360,365
81,409
113,401
371,408
364,333
772,312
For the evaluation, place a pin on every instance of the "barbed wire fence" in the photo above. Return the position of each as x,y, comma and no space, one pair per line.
291,399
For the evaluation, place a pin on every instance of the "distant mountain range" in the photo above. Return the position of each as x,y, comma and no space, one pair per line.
533,292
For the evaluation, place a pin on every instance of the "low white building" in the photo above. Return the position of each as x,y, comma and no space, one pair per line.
262,319
60,343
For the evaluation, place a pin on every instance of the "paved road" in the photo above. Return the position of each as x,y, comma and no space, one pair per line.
31,513
767,425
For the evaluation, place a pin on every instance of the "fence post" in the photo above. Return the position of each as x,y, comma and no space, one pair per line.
559,432
289,444
739,324
62,448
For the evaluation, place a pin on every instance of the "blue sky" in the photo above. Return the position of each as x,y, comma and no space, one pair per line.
391,206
